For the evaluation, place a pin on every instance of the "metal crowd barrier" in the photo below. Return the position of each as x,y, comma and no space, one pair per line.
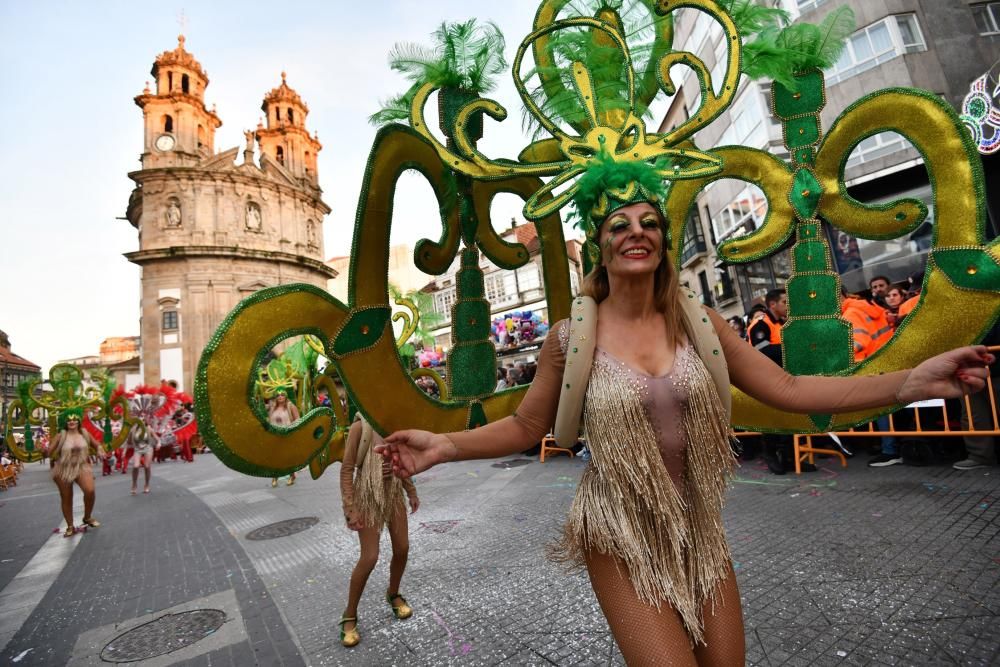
806,451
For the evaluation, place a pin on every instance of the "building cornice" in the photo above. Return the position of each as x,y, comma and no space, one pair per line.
152,255
310,196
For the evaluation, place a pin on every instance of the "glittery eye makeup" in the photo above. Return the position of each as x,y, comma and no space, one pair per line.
618,225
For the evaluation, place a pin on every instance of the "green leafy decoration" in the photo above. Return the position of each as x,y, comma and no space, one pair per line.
751,18
464,55
779,53
604,61
428,319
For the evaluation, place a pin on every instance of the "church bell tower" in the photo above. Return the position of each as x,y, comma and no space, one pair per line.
179,130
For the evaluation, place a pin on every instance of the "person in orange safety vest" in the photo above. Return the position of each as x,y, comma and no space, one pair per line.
870,325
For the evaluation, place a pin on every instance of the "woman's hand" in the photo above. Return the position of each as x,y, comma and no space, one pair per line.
948,375
353,519
414,504
411,452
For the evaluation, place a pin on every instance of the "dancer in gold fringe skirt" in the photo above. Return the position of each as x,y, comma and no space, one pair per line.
646,521
373,498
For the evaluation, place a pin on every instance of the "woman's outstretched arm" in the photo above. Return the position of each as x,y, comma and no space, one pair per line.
414,451
947,375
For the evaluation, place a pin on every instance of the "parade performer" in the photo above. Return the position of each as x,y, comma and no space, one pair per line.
646,520
373,498
143,443
69,455
282,412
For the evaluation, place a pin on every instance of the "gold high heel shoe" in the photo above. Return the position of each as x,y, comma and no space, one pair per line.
92,522
402,610
70,531
350,637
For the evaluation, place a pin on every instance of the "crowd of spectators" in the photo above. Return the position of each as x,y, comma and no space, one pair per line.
874,314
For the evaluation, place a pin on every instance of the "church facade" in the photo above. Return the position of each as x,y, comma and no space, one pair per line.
212,231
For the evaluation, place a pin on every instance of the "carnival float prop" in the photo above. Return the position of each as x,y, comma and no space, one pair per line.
105,408
588,107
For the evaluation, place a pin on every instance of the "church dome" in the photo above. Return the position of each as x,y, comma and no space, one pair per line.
179,57
283,94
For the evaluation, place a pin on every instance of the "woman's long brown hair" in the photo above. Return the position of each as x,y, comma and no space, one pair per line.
666,291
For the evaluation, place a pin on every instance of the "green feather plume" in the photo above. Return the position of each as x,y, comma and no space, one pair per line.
464,55
779,53
604,173
605,62
751,18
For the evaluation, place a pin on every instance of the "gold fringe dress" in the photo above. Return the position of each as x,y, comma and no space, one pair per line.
652,495
370,488
70,458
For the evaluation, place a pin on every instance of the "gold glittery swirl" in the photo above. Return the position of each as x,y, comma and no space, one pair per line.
376,497
674,547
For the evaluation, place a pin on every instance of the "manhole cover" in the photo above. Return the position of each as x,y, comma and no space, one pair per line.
164,635
438,526
513,463
282,528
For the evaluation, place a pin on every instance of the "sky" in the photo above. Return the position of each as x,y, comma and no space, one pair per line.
73,132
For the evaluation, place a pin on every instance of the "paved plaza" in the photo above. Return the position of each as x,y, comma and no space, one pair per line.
856,566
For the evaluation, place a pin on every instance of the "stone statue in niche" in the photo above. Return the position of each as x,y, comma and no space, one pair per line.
311,234
253,217
173,213
249,135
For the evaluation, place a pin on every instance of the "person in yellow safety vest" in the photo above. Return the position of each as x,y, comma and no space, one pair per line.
870,324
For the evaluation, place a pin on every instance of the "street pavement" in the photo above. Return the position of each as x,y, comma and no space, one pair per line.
856,566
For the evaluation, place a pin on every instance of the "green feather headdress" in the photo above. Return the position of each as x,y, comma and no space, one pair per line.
66,414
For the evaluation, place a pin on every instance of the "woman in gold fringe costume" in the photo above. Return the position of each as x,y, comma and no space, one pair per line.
282,412
646,521
70,460
373,498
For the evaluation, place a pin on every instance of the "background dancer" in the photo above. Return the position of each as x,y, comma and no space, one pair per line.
371,499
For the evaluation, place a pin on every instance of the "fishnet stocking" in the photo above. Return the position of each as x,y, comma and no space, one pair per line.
647,636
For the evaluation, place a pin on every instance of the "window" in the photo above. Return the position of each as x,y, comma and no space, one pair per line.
706,293
277,114
170,320
201,136
875,44
527,278
280,155
291,115
694,237
495,288
168,123
724,290
744,213
170,82
877,146
746,121
808,5
185,84
987,16
443,301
